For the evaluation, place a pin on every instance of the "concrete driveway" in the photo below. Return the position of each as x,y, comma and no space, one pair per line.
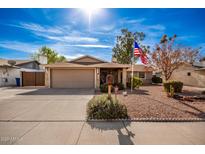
57,116
21,104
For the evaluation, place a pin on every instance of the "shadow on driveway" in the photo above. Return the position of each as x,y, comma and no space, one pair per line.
60,91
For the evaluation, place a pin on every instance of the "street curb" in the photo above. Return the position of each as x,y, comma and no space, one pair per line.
148,120
117,120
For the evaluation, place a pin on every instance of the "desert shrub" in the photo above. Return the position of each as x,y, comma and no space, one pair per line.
120,86
171,91
104,88
156,79
101,107
177,85
137,82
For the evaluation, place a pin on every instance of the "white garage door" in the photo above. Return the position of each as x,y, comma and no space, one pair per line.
72,78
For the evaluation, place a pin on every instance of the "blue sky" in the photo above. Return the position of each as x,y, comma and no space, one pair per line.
69,32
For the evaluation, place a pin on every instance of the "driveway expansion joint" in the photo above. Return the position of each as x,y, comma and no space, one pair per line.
80,133
26,132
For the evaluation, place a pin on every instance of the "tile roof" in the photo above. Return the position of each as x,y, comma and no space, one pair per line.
4,62
141,68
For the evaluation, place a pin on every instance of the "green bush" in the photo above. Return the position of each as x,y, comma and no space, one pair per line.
156,79
171,91
104,88
137,82
177,85
100,107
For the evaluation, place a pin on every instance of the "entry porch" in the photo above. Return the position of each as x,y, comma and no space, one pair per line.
119,75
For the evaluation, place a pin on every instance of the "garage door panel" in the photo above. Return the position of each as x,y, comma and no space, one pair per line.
62,78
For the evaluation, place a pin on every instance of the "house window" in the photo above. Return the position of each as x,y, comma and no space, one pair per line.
141,75
189,74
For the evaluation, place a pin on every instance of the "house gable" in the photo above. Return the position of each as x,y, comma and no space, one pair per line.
29,65
86,60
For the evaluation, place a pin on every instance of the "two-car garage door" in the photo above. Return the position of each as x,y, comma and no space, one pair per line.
72,78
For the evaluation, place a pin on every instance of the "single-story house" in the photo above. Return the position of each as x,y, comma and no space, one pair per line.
144,72
190,74
28,71
86,72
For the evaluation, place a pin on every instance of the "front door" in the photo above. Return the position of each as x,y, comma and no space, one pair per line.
105,72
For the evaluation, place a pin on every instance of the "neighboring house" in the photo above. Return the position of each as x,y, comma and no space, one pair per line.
191,74
141,71
21,69
84,72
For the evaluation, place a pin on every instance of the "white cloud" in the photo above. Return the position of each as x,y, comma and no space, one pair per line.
38,28
74,39
187,37
107,27
69,57
131,21
20,46
91,46
60,34
156,27
69,38
139,24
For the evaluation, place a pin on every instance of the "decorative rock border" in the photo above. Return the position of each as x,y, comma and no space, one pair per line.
149,120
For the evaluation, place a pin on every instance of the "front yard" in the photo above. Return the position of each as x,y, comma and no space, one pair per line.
152,102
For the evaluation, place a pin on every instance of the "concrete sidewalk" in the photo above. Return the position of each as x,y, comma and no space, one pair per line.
102,133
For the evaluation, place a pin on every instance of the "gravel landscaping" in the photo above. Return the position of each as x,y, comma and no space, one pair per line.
152,102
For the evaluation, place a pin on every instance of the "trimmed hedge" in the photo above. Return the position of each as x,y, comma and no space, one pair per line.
101,107
156,79
177,86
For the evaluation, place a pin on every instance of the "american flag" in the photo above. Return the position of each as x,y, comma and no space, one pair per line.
144,59
137,50
138,53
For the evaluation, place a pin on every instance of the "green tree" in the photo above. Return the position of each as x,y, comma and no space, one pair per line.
52,56
123,49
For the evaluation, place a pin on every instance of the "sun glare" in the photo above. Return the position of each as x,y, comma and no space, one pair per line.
89,13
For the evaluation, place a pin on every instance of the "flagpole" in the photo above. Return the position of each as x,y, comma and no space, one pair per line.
132,79
132,61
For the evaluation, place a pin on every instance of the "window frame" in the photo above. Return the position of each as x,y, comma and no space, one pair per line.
143,75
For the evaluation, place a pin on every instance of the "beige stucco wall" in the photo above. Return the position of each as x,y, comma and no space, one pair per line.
146,80
47,77
97,78
197,78
124,77
11,74
119,75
